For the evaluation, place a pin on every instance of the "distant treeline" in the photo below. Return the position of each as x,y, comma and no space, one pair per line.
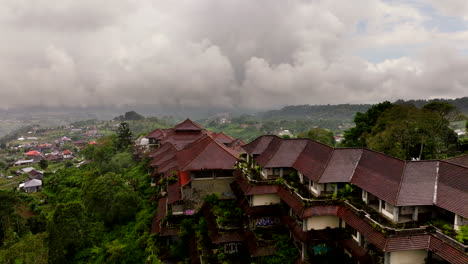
345,112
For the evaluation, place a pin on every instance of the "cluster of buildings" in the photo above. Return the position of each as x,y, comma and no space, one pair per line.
365,205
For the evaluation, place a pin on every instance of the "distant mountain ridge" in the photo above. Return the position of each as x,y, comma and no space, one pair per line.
345,111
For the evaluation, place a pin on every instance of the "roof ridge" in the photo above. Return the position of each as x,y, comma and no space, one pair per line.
401,183
436,184
224,148
276,149
355,166
198,154
326,164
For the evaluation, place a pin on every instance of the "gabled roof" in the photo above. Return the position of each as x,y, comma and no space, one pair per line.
259,145
33,183
286,154
379,174
158,133
269,151
188,125
206,154
222,138
313,159
452,187
182,139
341,165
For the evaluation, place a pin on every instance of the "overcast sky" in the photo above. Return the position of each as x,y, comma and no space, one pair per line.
253,53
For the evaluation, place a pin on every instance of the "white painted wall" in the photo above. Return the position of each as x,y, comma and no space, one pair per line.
408,257
265,199
322,222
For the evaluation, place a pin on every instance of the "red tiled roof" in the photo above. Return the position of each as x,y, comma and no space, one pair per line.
33,153
259,145
188,125
452,188
341,165
67,152
313,160
461,160
206,154
379,174
286,154
417,185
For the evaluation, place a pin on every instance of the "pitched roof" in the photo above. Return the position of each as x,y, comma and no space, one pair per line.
379,174
417,184
206,154
33,183
269,151
188,125
222,138
460,160
313,159
158,133
452,187
33,153
182,139
341,165
173,193
259,145
286,154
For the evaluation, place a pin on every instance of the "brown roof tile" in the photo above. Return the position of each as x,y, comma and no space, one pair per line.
452,188
379,174
207,154
269,151
417,185
188,125
461,160
173,193
286,154
258,145
313,159
341,165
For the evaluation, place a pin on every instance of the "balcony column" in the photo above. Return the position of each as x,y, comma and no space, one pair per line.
380,206
387,258
396,213
415,214
281,173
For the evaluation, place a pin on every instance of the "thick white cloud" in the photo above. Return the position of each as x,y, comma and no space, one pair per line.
255,54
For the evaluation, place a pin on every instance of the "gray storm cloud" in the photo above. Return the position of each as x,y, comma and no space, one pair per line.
254,54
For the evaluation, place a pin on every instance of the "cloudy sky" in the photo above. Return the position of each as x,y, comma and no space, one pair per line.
237,53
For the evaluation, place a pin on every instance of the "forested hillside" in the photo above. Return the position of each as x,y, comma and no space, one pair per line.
98,213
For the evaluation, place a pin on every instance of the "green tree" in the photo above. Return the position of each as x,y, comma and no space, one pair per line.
68,229
407,132
321,135
124,136
43,164
364,123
